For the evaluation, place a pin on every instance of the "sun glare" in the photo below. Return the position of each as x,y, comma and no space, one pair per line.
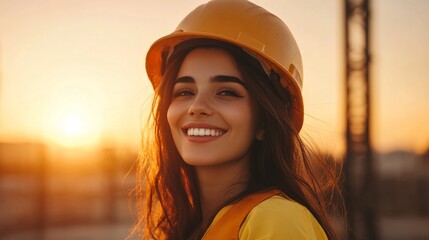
74,118
72,126
74,129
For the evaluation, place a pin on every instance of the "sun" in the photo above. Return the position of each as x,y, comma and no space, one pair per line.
77,124
72,125
74,128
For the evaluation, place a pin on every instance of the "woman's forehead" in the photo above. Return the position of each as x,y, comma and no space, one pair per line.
207,62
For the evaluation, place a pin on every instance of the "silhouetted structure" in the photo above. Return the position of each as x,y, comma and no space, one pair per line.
359,184
23,188
44,188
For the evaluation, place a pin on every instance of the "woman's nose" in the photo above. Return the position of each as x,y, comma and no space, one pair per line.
200,106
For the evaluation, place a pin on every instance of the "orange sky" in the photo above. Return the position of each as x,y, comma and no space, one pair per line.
72,72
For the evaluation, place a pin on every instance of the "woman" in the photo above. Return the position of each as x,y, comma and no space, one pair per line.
223,159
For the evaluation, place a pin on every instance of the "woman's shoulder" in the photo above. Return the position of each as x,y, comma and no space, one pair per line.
277,218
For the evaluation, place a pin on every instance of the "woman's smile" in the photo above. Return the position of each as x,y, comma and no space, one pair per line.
204,132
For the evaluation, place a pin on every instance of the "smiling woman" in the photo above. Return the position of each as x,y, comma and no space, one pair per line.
224,159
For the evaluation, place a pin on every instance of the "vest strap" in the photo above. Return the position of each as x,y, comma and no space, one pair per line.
228,226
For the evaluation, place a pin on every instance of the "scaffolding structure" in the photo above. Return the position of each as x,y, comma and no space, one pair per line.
359,182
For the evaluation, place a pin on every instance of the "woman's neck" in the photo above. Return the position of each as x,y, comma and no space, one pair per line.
221,183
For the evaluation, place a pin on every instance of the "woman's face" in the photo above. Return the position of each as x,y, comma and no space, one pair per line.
211,116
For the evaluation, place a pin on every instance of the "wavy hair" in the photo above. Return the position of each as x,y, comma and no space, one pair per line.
167,188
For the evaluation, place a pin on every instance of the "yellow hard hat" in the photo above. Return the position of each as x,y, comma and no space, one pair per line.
248,26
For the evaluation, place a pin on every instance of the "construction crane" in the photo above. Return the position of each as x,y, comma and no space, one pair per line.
359,177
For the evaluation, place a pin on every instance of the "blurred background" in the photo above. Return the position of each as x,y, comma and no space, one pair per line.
74,97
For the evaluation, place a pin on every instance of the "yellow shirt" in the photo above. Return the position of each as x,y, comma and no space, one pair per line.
278,218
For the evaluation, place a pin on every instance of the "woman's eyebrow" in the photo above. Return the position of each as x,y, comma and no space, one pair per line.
216,79
184,79
226,79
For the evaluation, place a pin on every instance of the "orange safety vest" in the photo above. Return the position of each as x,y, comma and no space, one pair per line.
228,227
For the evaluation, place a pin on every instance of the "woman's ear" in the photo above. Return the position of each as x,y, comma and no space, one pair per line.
260,134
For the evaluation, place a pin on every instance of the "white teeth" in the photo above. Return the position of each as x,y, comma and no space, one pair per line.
204,132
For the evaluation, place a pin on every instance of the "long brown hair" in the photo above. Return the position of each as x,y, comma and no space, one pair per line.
167,188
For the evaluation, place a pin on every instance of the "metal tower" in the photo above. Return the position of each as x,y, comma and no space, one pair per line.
359,178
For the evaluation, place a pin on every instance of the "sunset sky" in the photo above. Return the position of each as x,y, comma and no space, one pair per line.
72,72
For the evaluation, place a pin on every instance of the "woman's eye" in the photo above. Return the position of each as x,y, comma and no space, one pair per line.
229,93
183,92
